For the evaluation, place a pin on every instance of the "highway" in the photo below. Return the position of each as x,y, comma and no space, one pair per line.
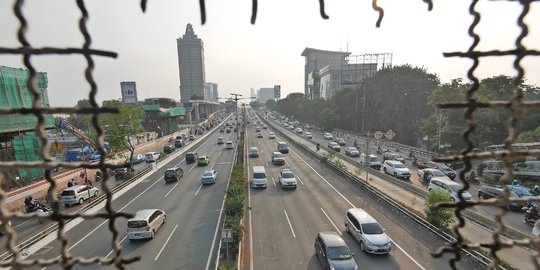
189,239
513,219
284,223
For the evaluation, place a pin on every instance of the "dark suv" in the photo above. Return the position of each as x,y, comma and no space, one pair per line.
169,148
173,174
333,252
191,157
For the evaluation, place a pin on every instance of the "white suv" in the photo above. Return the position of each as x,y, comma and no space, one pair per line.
397,169
287,179
450,187
328,136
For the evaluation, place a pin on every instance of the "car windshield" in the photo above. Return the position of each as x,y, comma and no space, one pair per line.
259,175
372,228
136,223
288,175
438,173
373,159
278,156
338,253
443,167
399,166
202,158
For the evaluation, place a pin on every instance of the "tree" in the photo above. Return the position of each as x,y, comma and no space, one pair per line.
440,217
271,104
82,121
328,118
122,128
255,104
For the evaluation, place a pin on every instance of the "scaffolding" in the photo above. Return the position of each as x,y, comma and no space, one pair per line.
14,93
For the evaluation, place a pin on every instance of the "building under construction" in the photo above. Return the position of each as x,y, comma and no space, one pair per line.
18,140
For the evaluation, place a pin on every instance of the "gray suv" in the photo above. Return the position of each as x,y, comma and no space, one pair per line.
333,252
367,231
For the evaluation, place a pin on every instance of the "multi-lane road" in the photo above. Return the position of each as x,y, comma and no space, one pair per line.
284,223
190,237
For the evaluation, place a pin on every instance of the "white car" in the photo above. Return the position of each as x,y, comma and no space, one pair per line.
328,136
309,135
145,223
271,135
287,179
229,145
209,177
397,169
151,156
334,146
299,130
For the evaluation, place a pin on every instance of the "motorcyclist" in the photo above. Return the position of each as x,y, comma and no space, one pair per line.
318,146
31,203
532,213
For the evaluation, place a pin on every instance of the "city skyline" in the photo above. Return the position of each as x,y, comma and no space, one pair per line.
240,56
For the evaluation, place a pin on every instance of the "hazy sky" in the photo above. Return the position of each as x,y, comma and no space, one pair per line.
240,56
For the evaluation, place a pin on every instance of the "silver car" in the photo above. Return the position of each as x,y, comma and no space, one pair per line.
209,177
287,179
367,231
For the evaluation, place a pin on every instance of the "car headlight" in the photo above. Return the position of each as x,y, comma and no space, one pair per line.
370,244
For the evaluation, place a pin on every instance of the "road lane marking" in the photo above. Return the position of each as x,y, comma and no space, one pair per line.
112,250
167,241
18,225
220,153
267,165
290,225
406,254
300,180
200,186
171,190
333,224
274,182
192,167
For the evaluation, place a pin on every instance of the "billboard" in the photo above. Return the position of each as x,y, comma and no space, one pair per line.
277,91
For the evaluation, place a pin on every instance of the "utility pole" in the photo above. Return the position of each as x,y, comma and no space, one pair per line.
236,113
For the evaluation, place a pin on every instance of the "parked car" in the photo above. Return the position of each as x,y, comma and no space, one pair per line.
334,146
220,140
203,161
137,158
450,187
253,152
352,152
209,177
397,169
191,157
278,158
287,179
169,148
328,136
145,223
78,194
271,135
229,145
367,231
333,252
151,157
425,175
173,174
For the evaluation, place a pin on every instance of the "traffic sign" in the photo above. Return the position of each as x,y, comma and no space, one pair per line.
389,134
378,135
56,146
226,235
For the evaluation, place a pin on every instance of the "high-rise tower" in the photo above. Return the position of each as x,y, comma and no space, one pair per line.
191,65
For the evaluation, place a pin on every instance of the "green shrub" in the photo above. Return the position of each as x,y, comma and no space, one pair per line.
440,217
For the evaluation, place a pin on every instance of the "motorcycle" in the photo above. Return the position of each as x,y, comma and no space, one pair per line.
531,214
40,208
379,151
318,147
473,179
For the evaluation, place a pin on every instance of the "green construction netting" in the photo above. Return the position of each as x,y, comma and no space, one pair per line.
14,93
27,148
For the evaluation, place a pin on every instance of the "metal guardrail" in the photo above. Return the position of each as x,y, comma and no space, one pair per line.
383,196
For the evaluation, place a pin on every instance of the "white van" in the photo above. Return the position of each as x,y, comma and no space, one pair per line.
258,179
371,161
145,223
449,186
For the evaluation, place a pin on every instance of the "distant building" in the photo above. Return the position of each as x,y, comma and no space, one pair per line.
328,71
253,93
212,91
265,94
129,92
191,65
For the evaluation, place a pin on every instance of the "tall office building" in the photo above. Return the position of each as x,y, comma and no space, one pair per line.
215,95
191,65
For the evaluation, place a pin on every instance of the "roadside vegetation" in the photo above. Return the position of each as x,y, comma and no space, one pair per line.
235,203
439,216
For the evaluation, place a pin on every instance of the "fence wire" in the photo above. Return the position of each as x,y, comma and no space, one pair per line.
66,260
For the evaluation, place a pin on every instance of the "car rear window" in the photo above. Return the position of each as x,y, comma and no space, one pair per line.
170,173
288,175
136,223
189,155
259,175
68,193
